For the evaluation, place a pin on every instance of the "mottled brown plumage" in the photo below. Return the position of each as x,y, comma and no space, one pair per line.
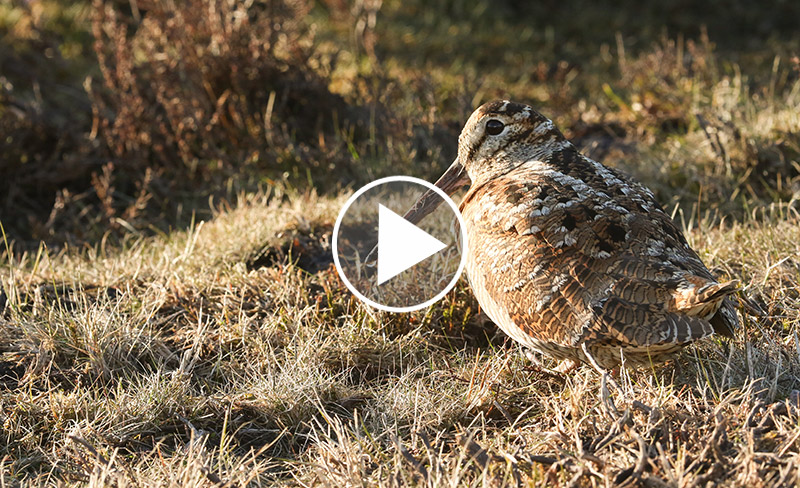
570,257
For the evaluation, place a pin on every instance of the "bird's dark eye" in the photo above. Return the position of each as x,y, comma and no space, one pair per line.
494,127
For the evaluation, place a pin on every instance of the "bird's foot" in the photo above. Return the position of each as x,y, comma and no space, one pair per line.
537,366
567,366
605,395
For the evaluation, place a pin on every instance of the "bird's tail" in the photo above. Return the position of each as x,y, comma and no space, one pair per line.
704,299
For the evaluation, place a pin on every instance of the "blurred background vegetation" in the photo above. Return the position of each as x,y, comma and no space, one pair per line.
128,116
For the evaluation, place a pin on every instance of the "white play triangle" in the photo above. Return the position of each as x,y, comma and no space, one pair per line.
401,244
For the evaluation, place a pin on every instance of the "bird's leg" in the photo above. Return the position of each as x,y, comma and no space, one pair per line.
605,393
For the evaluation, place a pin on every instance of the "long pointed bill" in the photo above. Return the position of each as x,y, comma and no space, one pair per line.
454,178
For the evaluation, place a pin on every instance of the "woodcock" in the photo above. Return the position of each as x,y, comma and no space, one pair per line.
572,258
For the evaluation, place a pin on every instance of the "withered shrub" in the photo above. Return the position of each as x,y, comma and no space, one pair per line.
191,97
211,84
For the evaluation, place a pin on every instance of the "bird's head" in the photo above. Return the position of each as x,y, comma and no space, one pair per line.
501,135
498,137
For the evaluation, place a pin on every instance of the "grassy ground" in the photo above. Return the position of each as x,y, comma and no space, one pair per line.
169,314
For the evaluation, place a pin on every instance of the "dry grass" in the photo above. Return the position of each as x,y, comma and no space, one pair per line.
173,360
144,344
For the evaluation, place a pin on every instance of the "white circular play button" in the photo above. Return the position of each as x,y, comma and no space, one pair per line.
390,263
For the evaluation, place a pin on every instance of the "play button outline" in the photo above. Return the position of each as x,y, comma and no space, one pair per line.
463,244
401,244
